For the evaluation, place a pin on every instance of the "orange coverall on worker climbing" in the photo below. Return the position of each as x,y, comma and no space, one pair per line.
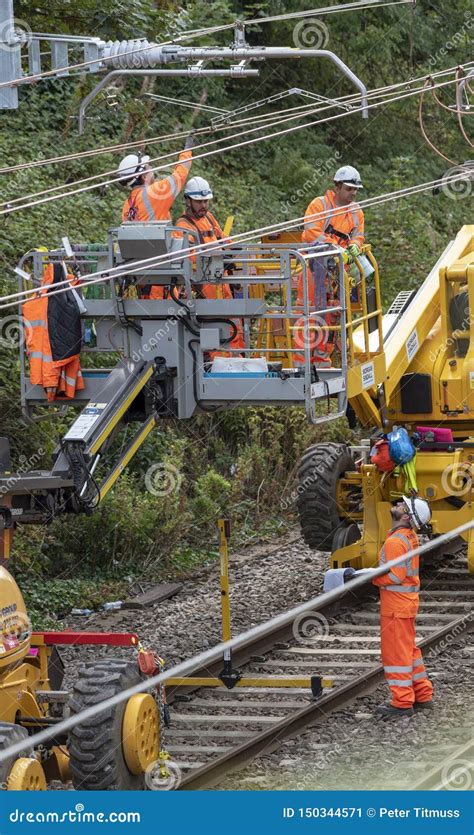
154,202
402,660
204,230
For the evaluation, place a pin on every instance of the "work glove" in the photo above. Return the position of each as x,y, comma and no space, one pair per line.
354,250
190,141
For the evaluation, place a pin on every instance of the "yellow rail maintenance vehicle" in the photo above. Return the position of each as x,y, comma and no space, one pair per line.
168,356
427,387
174,355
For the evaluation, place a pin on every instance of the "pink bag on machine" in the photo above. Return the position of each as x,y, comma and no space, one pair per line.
440,434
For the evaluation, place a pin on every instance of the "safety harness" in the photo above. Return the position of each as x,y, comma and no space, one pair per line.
330,230
202,234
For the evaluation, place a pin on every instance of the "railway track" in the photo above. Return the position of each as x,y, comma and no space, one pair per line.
215,731
453,770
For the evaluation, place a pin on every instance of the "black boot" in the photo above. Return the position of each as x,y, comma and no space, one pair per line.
424,705
388,711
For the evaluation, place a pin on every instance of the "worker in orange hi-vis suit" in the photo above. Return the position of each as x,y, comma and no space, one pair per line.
399,599
331,219
343,220
204,228
152,199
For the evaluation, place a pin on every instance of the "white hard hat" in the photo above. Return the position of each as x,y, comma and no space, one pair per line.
133,165
349,176
418,510
198,189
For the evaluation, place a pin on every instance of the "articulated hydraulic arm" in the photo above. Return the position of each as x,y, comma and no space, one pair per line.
174,355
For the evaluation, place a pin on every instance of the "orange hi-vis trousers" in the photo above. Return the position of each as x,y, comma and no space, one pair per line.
402,661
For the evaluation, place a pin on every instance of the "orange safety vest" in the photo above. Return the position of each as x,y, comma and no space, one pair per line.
204,230
59,372
153,202
207,230
399,588
341,227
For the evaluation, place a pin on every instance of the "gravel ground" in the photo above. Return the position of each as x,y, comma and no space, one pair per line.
354,750
265,581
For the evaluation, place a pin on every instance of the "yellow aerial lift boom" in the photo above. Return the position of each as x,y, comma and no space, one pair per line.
428,347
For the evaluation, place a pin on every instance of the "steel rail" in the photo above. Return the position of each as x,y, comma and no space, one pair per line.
317,711
446,774
264,630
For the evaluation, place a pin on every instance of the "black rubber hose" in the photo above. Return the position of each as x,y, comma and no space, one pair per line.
229,322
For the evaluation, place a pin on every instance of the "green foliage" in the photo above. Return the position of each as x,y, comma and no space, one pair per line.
239,462
49,601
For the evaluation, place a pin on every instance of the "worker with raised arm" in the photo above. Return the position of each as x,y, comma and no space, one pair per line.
331,219
152,199
203,228
402,660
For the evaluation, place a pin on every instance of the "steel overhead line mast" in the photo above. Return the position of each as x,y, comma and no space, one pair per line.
129,57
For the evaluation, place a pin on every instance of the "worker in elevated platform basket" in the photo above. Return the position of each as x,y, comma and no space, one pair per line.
151,199
203,228
332,219
399,599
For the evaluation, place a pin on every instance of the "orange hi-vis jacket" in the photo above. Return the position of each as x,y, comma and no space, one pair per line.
349,222
204,230
154,202
53,337
399,588
207,230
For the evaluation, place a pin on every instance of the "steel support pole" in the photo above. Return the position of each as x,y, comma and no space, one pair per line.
10,56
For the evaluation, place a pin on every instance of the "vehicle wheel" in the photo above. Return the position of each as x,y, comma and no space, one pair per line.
97,747
322,465
345,536
9,735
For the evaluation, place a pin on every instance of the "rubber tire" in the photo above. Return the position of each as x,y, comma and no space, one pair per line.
95,746
10,734
346,536
322,465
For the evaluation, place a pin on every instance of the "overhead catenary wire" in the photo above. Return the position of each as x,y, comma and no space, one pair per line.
98,178
188,667
348,98
457,110
185,103
194,33
358,5
423,128
102,276
130,267
449,108
71,192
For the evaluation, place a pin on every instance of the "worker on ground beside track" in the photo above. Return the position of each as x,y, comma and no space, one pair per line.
399,599
203,228
152,199
342,224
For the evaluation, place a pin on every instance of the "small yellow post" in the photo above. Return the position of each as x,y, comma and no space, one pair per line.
224,533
